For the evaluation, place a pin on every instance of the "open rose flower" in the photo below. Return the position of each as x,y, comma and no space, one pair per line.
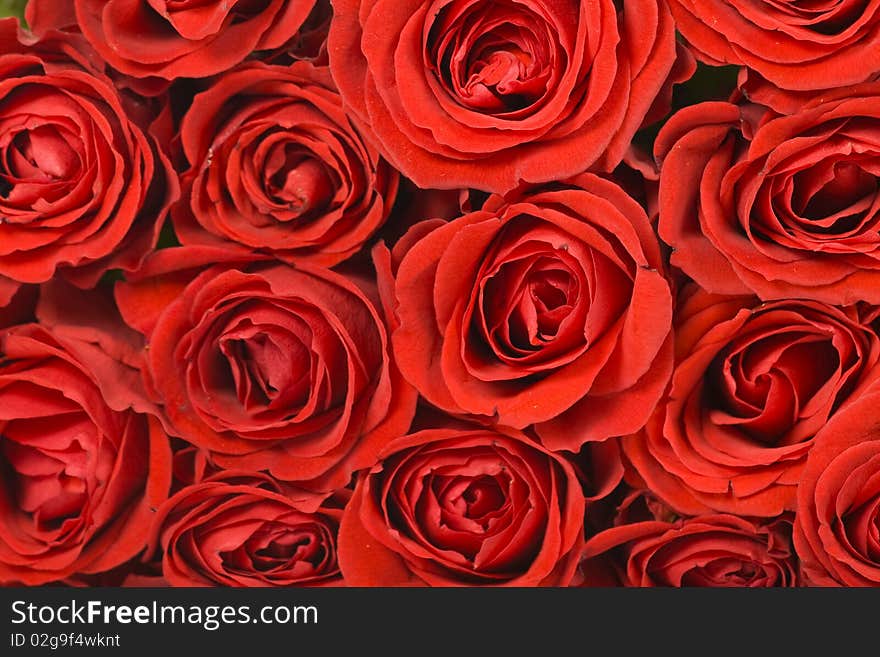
268,366
82,472
785,206
548,308
242,529
795,45
715,550
752,385
449,507
486,94
837,528
82,188
277,166
174,38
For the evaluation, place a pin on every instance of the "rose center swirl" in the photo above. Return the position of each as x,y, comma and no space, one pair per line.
544,298
38,165
762,384
493,58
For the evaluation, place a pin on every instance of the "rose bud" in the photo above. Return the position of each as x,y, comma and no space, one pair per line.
799,46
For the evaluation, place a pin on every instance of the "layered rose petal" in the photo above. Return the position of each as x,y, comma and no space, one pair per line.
175,38
82,188
276,166
783,206
549,308
247,530
797,46
837,528
753,383
447,507
82,472
716,550
486,94
269,366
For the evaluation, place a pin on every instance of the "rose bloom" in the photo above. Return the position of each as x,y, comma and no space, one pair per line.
799,46
82,471
486,94
172,39
548,307
82,188
837,528
463,506
277,166
782,206
752,385
246,529
267,366
651,547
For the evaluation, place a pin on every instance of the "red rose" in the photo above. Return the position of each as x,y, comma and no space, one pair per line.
713,550
487,94
275,165
174,39
782,206
548,308
447,507
752,385
82,189
268,366
82,472
799,46
242,529
837,526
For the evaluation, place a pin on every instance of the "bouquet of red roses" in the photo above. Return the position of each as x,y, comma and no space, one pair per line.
377,293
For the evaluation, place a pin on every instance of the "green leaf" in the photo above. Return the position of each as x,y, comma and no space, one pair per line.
12,8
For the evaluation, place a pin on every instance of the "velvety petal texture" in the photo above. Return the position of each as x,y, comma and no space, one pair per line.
175,38
546,308
488,94
557,293
83,188
453,507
